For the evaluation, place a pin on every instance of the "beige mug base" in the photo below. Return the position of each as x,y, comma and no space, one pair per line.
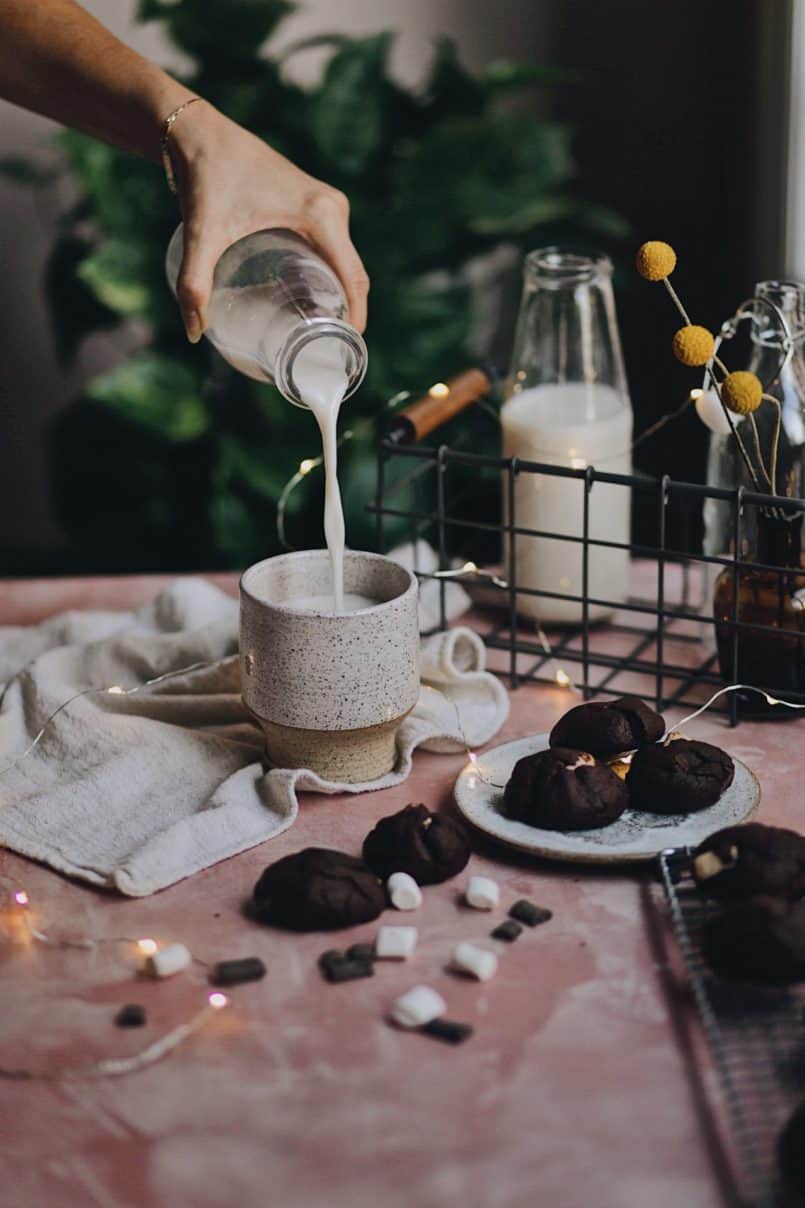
343,756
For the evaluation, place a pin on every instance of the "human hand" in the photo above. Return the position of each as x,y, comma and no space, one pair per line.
230,184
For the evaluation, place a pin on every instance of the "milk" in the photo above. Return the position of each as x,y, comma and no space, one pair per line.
322,381
352,601
571,424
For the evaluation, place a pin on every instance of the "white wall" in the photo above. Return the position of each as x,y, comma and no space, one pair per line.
32,386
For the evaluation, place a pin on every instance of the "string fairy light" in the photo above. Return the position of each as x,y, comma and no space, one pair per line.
108,1067
471,570
115,1067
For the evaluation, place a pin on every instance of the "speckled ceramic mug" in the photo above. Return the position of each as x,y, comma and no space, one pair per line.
329,691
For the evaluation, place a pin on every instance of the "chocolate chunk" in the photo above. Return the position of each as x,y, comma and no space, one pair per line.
564,790
449,1030
791,1149
679,777
526,912
429,847
508,931
606,728
131,1016
346,970
743,861
758,939
318,890
231,973
361,952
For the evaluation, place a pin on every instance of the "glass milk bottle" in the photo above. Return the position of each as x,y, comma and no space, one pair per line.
567,403
278,314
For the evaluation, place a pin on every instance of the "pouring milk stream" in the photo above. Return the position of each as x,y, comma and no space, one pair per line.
277,314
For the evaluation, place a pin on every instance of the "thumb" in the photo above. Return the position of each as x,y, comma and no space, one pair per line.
194,283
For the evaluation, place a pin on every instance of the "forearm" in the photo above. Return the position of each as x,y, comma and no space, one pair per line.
56,59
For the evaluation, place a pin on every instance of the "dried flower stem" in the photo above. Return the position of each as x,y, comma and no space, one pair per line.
775,443
676,301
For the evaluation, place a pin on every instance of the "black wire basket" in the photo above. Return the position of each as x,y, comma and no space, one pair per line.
663,642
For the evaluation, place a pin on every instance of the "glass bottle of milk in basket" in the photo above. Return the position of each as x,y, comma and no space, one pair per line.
278,314
567,404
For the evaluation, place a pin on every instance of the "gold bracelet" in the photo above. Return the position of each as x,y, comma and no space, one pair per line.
167,126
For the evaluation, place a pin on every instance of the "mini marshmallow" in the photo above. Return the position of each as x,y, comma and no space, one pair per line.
478,962
168,960
395,943
418,1007
404,892
483,893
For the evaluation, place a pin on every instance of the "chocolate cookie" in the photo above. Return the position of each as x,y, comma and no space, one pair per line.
741,861
679,777
791,1149
429,847
605,728
318,890
758,939
566,790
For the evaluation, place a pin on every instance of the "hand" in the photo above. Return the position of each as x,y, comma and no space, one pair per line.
230,184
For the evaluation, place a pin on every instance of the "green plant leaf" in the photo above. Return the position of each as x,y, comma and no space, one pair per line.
75,310
157,393
502,75
347,112
223,30
126,497
117,273
450,89
488,175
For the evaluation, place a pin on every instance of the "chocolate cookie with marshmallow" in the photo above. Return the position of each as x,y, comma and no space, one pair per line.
429,847
608,728
565,790
679,777
760,939
742,861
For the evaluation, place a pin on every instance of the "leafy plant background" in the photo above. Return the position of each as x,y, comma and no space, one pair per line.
174,461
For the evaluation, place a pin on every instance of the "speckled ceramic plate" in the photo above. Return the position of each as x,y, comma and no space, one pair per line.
635,836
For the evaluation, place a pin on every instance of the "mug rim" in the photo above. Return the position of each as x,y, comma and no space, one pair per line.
298,555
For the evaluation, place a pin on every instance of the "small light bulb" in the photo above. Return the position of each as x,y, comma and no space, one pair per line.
469,568
562,678
439,390
306,465
116,690
217,1001
694,394
21,897
771,700
147,947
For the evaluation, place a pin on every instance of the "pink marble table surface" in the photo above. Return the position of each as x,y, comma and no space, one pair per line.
576,1091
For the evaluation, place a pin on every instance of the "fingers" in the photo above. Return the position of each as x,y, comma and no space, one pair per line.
194,284
329,229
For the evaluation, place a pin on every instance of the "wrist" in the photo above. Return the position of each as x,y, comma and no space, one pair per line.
162,97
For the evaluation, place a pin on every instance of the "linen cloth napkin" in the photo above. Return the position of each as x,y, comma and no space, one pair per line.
135,792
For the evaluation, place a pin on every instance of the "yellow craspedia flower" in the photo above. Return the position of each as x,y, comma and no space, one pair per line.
693,345
655,260
741,392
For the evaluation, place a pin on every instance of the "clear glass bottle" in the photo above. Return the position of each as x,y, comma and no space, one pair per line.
277,313
725,467
567,403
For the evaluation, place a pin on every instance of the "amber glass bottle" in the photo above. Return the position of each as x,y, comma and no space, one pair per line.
771,656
